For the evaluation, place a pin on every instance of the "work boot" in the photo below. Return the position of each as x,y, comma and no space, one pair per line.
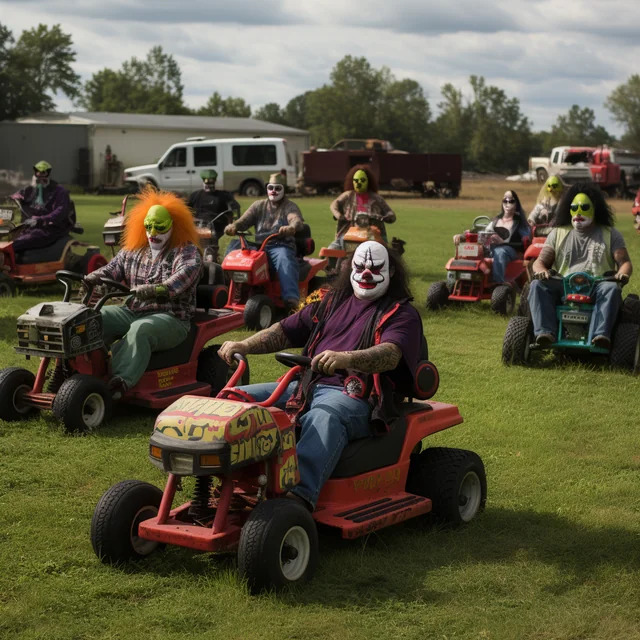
118,387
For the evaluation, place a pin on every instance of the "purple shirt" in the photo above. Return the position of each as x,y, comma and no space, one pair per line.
346,324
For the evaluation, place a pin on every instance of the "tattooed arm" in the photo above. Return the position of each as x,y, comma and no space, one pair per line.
382,357
266,341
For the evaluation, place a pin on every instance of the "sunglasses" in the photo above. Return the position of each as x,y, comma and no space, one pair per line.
585,206
509,201
275,187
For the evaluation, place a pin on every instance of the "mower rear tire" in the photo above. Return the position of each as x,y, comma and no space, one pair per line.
278,545
259,312
14,381
83,403
631,309
213,370
7,286
437,296
625,350
503,300
454,479
114,526
517,341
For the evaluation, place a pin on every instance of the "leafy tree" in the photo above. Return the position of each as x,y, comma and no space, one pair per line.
38,65
624,105
153,85
577,127
230,107
271,112
295,113
488,130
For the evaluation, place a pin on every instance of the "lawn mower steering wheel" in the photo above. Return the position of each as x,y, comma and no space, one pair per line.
480,223
292,359
114,284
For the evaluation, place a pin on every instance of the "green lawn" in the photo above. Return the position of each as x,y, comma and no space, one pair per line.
555,555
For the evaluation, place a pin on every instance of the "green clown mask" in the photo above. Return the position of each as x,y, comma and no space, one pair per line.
360,181
554,186
158,224
581,212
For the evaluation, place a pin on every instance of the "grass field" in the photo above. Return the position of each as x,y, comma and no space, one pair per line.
555,555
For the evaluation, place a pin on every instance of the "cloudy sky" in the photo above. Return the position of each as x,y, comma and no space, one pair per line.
549,54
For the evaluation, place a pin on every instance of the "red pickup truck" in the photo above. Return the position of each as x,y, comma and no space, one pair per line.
616,171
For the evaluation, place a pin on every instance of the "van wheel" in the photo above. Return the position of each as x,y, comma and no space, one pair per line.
252,188
542,175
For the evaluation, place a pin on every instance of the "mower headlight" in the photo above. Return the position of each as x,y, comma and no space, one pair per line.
181,464
209,460
240,276
109,239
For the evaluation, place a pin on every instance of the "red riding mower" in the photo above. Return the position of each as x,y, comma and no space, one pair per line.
364,228
469,274
68,336
39,266
243,456
255,291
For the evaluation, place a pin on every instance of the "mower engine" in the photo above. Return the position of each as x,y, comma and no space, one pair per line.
59,330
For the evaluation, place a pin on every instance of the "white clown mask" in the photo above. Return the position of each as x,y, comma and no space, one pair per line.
370,274
275,192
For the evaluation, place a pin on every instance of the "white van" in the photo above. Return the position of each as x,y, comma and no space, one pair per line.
243,165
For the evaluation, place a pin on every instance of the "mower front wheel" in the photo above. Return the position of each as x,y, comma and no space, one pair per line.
114,526
14,382
83,403
7,286
437,296
454,479
516,346
259,312
213,370
503,299
278,545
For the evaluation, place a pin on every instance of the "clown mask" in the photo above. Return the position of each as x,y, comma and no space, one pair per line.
554,187
370,274
581,212
275,192
158,225
41,172
360,181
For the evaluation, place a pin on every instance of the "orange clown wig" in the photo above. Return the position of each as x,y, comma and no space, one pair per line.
183,229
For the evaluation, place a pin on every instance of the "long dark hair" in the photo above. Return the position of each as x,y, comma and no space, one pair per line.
398,286
373,181
602,213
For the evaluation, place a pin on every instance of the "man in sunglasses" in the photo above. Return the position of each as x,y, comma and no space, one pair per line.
160,262
50,213
583,239
275,215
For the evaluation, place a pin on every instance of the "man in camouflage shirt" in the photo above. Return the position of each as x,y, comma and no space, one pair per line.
276,214
161,264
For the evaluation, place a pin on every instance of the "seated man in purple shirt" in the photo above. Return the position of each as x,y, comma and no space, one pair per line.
362,327
50,213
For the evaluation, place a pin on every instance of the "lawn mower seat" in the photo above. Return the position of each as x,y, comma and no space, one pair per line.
50,253
177,355
305,246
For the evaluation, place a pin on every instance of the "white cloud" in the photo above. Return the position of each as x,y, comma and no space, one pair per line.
549,54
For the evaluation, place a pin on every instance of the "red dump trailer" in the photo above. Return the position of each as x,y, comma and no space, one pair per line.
431,174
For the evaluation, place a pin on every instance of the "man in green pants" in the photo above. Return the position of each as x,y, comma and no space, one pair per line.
160,262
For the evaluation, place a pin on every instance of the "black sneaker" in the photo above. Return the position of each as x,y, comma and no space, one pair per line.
545,339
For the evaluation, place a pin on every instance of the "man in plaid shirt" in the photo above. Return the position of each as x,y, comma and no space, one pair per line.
161,263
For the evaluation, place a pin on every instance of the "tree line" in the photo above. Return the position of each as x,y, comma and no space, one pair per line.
482,123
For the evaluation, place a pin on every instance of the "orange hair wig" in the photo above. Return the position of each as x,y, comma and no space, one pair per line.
183,229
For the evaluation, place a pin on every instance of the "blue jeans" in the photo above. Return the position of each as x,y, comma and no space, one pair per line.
332,420
502,255
282,259
544,295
